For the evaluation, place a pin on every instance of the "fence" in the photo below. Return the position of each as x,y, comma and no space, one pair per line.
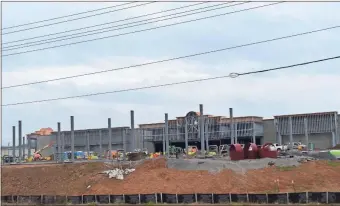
160,198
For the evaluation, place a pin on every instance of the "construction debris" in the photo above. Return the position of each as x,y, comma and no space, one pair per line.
118,173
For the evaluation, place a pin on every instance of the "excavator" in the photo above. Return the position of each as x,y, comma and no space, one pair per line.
37,154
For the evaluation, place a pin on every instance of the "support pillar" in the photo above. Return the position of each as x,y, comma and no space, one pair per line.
13,147
100,144
305,121
23,148
333,139
254,134
290,122
232,132
110,137
20,144
186,136
133,140
62,146
72,138
164,141
167,134
124,143
201,130
59,155
88,143
29,146
336,129
206,134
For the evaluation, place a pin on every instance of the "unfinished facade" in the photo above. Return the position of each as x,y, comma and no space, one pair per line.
321,129
217,130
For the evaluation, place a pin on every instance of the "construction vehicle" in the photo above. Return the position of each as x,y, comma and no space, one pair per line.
213,150
37,154
192,150
223,150
7,159
115,154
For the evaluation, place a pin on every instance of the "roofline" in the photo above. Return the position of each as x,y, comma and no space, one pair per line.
81,130
306,114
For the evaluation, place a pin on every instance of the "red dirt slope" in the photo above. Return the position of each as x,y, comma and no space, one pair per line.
153,176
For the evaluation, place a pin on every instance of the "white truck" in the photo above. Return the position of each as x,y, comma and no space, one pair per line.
279,147
296,145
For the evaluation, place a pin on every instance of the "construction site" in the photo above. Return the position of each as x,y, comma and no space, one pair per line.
189,158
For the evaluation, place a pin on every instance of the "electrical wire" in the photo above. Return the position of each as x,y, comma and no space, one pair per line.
96,25
69,20
82,34
60,17
231,75
133,32
175,58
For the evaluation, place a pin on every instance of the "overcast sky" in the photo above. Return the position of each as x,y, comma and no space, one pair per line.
311,88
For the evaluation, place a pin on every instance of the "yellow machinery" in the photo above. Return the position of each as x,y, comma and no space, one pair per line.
37,154
192,150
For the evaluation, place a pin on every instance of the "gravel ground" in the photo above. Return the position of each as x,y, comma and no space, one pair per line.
242,166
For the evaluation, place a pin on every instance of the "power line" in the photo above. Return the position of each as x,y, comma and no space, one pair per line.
231,75
60,17
96,25
133,32
108,29
175,58
69,20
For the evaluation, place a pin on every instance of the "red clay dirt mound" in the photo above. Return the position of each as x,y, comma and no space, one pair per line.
51,179
154,177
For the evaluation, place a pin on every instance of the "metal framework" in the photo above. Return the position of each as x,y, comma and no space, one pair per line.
214,128
305,124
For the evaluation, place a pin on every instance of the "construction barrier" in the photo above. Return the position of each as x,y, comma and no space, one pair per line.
163,198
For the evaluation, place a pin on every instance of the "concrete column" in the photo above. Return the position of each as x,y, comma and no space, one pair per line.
20,144
88,143
186,136
124,143
62,146
72,138
29,146
254,134
177,131
167,134
13,147
278,132
201,126
100,143
235,131
232,132
163,138
23,147
110,137
290,122
305,121
59,155
133,140
333,139
336,132
206,135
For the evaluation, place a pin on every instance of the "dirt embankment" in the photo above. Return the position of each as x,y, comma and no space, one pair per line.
154,177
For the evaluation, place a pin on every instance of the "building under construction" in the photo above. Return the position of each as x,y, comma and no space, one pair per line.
196,128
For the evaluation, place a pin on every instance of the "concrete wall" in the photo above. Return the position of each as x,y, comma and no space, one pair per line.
322,141
269,133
